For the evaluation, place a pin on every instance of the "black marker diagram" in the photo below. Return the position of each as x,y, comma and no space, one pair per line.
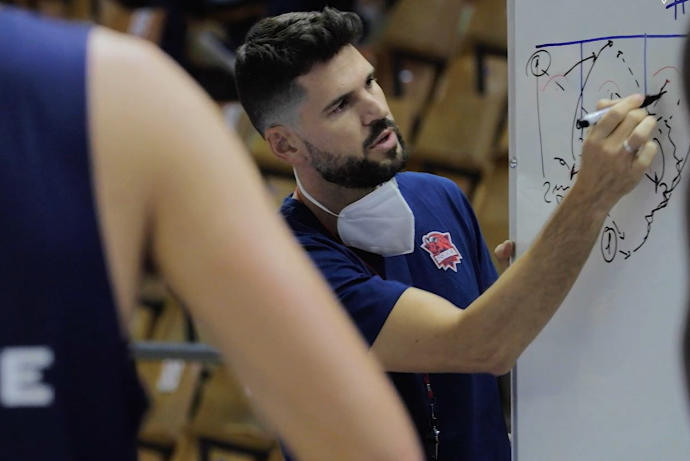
569,78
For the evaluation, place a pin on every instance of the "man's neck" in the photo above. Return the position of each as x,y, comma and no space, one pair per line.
330,195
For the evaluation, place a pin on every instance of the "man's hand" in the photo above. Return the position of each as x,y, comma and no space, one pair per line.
503,253
609,170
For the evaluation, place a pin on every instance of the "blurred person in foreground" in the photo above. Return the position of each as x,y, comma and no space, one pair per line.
110,154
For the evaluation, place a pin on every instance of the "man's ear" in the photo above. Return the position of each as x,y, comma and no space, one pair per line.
284,144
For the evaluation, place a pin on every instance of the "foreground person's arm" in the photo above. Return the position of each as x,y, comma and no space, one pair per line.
231,259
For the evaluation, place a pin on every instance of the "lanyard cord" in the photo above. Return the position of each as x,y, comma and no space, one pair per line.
434,418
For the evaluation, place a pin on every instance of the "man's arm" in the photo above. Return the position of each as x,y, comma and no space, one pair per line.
426,333
230,257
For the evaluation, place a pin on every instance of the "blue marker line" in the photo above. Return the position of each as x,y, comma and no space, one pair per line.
676,3
582,85
611,37
645,63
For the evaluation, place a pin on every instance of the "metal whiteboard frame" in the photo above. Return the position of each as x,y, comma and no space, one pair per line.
512,193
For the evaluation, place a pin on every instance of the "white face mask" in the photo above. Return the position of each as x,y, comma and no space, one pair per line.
381,222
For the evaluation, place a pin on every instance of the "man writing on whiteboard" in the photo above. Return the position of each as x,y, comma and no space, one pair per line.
403,251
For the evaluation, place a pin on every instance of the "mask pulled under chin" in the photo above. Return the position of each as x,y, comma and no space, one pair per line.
381,222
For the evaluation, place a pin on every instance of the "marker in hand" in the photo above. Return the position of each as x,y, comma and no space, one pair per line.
594,117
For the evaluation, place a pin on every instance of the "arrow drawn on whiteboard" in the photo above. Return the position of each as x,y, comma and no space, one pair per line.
579,106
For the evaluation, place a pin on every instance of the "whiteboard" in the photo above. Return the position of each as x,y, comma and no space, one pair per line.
603,380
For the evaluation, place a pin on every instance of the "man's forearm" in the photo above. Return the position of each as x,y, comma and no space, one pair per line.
521,302
426,332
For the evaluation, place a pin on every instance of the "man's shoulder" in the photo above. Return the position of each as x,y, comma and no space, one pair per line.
416,179
429,190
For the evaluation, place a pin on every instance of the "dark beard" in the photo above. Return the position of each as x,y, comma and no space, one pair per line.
360,172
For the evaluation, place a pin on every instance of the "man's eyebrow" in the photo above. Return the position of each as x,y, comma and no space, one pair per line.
337,100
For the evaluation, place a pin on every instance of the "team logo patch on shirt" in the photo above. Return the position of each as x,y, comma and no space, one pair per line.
441,249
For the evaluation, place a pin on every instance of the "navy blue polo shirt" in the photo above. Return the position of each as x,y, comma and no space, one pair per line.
451,260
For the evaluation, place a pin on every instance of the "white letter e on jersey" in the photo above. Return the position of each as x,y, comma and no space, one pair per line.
21,371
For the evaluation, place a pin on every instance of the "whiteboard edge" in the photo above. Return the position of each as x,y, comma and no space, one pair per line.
512,198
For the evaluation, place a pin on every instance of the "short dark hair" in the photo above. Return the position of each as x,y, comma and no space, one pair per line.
279,49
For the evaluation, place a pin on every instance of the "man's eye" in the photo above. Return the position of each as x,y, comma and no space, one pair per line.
341,106
370,81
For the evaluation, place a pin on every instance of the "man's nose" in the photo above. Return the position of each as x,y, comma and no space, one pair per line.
373,109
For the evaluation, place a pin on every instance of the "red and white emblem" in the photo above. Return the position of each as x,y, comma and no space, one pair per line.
441,250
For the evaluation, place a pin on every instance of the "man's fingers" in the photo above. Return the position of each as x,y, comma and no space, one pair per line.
504,251
645,156
604,103
642,133
615,116
630,127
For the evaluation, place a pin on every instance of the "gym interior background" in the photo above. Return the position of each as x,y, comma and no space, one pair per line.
443,66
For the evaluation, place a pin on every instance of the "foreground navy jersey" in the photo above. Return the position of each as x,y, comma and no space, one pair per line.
68,390
451,260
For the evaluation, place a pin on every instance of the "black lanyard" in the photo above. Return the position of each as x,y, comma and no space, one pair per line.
434,418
